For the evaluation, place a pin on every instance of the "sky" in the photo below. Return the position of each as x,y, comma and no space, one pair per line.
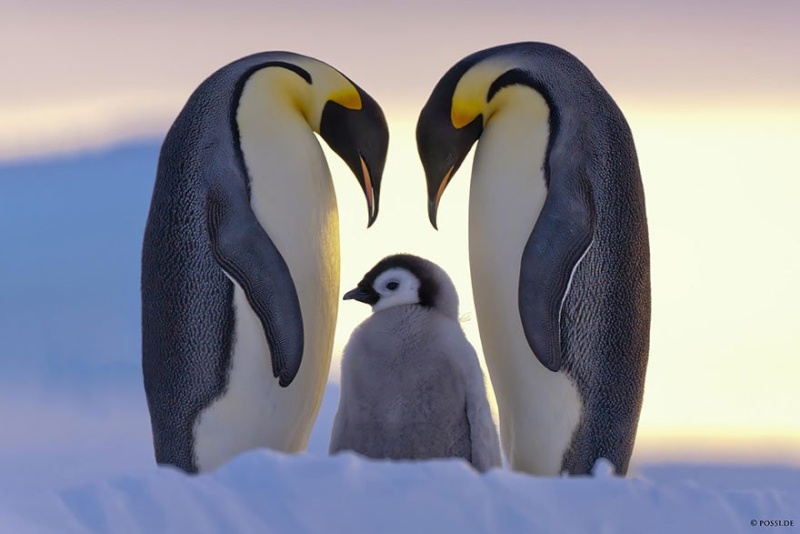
88,72
711,91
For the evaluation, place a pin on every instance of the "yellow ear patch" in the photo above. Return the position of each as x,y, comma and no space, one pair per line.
464,112
348,98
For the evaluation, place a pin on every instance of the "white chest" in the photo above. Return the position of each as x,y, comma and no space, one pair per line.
293,198
539,409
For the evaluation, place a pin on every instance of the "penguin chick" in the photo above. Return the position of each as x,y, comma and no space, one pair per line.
411,384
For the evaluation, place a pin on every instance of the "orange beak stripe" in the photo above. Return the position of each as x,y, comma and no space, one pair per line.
442,187
368,187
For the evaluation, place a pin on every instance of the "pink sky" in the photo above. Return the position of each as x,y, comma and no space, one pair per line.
709,52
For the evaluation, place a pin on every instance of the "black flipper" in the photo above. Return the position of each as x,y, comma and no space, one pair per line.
245,251
559,239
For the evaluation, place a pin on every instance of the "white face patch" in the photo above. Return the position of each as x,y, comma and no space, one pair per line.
396,287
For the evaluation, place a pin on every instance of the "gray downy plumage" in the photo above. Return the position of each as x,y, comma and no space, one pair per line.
411,384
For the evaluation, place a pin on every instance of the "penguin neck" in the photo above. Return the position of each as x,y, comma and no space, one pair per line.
276,138
508,170
276,93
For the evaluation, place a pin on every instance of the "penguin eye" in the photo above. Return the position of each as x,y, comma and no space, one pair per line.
391,286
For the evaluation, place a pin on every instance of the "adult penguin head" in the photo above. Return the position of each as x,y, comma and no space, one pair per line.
455,114
352,123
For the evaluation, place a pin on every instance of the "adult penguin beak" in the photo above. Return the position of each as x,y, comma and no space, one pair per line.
360,136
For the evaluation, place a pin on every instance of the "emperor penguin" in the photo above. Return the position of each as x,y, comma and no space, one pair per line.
240,262
411,384
558,249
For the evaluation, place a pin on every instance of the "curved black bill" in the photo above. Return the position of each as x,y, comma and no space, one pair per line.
433,202
432,209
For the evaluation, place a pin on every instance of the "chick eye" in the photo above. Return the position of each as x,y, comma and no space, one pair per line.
391,286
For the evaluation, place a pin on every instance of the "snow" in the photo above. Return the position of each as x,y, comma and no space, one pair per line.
270,492
94,473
